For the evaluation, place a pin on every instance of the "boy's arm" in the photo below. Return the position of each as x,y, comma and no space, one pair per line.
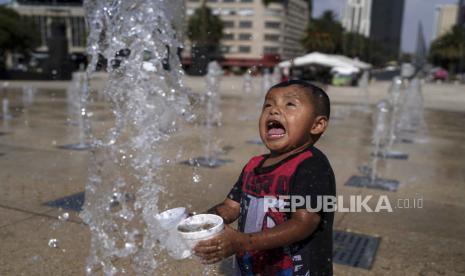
301,225
229,210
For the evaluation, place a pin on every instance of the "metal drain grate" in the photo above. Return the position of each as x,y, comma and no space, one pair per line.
72,202
353,249
379,183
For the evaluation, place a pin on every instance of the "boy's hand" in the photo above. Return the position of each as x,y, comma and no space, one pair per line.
219,247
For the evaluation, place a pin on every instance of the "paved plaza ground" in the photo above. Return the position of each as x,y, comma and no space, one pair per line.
413,241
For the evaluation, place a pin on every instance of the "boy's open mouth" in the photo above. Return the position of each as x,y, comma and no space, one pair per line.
274,129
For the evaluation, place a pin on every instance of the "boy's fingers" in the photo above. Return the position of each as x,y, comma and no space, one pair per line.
210,242
210,256
212,261
205,249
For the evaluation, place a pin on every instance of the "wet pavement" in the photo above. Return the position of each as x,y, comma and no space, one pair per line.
413,241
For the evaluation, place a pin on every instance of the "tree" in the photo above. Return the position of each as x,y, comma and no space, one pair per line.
359,46
15,34
323,34
448,50
205,30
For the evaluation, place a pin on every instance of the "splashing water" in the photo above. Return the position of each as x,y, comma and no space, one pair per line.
276,76
411,116
395,91
247,85
247,90
379,136
213,114
28,95
5,102
76,110
267,82
144,88
6,115
363,84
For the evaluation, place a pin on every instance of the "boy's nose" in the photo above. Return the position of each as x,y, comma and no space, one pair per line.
274,110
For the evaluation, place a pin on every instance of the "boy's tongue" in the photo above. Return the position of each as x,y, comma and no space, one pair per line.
276,131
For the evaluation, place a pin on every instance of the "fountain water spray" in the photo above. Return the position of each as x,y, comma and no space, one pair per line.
363,84
380,132
267,82
212,117
213,114
28,95
369,177
247,89
276,76
6,115
411,114
77,109
396,90
139,42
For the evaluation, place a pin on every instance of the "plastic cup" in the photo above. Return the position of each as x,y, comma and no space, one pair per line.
169,219
172,241
200,227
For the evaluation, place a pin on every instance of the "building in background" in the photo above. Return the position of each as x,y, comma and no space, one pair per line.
379,20
386,24
62,31
356,17
461,13
255,35
445,17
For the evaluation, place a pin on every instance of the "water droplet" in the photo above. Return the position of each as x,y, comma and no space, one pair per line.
64,216
53,243
196,178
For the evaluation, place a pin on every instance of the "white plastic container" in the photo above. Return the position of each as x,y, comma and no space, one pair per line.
170,238
200,227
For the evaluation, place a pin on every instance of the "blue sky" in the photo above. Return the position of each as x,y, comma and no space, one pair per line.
415,11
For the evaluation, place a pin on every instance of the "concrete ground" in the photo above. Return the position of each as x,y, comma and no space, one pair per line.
414,241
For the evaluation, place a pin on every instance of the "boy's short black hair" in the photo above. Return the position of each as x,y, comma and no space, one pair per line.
317,95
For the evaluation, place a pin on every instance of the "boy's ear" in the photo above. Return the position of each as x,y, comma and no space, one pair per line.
319,125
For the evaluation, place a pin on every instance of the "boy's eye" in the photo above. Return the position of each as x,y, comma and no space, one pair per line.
266,105
290,104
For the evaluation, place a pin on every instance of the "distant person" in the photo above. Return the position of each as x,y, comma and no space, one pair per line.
271,240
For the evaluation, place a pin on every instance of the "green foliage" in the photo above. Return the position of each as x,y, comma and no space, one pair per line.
204,28
15,32
267,2
324,34
448,50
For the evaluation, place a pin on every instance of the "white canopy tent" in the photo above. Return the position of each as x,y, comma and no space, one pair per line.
334,61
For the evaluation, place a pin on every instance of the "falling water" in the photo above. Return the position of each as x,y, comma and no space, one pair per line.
267,82
147,97
247,85
247,89
28,95
363,84
77,88
213,114
395,90
411,116
6,109
5,102
380,132
276,76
